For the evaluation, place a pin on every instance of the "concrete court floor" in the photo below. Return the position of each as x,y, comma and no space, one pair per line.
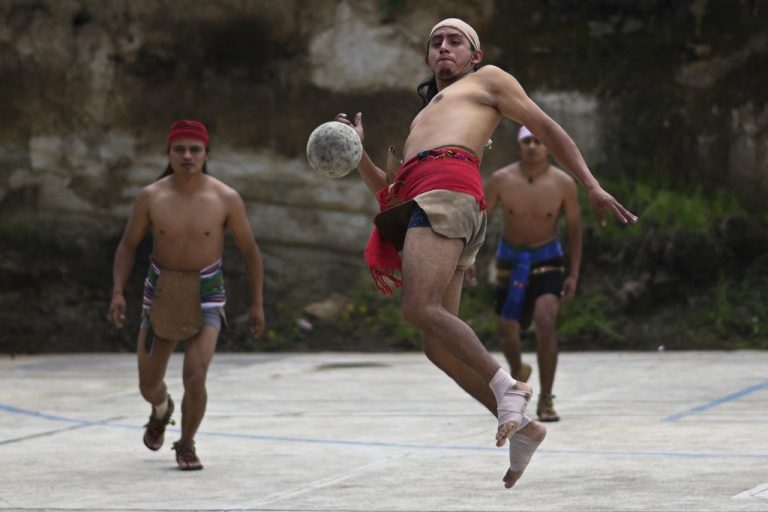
387,432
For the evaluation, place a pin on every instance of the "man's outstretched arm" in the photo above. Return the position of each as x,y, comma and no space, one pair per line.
512,102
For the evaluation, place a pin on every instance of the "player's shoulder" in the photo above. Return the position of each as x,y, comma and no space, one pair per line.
491,72
153,189
217,184
223,190
561,174
490,69
565,179
506,171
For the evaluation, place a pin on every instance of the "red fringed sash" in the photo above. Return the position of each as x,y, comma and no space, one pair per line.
441,169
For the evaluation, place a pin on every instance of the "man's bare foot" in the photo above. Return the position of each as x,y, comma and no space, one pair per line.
521,448
511,410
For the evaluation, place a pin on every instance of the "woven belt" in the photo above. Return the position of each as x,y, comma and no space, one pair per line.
432,154
546,268
538,270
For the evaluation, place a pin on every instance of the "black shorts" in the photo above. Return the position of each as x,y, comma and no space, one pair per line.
538,285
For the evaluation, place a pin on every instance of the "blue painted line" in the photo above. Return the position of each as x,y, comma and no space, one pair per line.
717,402
51,417
402,446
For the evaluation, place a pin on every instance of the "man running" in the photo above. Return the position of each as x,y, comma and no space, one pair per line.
188,213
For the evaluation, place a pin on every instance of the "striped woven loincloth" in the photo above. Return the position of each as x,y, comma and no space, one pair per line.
212,293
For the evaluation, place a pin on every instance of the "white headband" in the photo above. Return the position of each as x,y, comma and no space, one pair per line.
461,26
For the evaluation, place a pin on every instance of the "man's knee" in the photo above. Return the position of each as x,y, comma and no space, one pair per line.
194,379
151,391
412,309
545,320
419,315
509,330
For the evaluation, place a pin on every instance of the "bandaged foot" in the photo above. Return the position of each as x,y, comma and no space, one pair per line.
521,447
511,408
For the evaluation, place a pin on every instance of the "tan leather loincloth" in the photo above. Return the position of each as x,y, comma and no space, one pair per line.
176,313
451,214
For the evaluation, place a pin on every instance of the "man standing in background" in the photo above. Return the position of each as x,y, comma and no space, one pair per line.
530,265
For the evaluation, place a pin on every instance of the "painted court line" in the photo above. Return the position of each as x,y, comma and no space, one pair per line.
322,483
757,492
717,402
381,444
36,414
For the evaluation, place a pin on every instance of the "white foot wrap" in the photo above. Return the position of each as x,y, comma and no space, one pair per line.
511,407
526,420
521,448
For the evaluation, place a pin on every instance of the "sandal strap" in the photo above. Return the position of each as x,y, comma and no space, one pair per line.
156,423
185,453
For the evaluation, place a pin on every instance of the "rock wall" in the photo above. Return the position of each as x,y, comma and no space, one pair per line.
89,88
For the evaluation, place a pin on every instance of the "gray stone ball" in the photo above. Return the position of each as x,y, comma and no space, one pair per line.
334,149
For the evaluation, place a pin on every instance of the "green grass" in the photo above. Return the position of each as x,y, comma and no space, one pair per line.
738,313
665,210
585,317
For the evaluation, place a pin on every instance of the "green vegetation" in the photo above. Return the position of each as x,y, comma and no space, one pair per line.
673,211
283,332
369,321
391,8
738,314
675,260
19,229
665,210
381,316
586,318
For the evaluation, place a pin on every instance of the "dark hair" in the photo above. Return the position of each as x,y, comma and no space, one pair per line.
427,90
169,170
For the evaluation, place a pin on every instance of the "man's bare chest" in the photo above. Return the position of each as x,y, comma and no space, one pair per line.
184,218
523,199
456,101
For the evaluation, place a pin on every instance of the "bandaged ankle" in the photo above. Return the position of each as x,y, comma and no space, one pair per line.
521,448
526,420
511,405
161,408
499,384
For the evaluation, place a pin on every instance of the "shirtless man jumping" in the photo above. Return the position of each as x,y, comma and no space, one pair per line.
188,212
433,213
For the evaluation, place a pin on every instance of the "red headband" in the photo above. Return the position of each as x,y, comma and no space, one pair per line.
188,129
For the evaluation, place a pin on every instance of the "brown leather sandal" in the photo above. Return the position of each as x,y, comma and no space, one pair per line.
186,457
154,436
546,408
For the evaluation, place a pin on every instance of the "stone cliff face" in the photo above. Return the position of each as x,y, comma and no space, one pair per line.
89,88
